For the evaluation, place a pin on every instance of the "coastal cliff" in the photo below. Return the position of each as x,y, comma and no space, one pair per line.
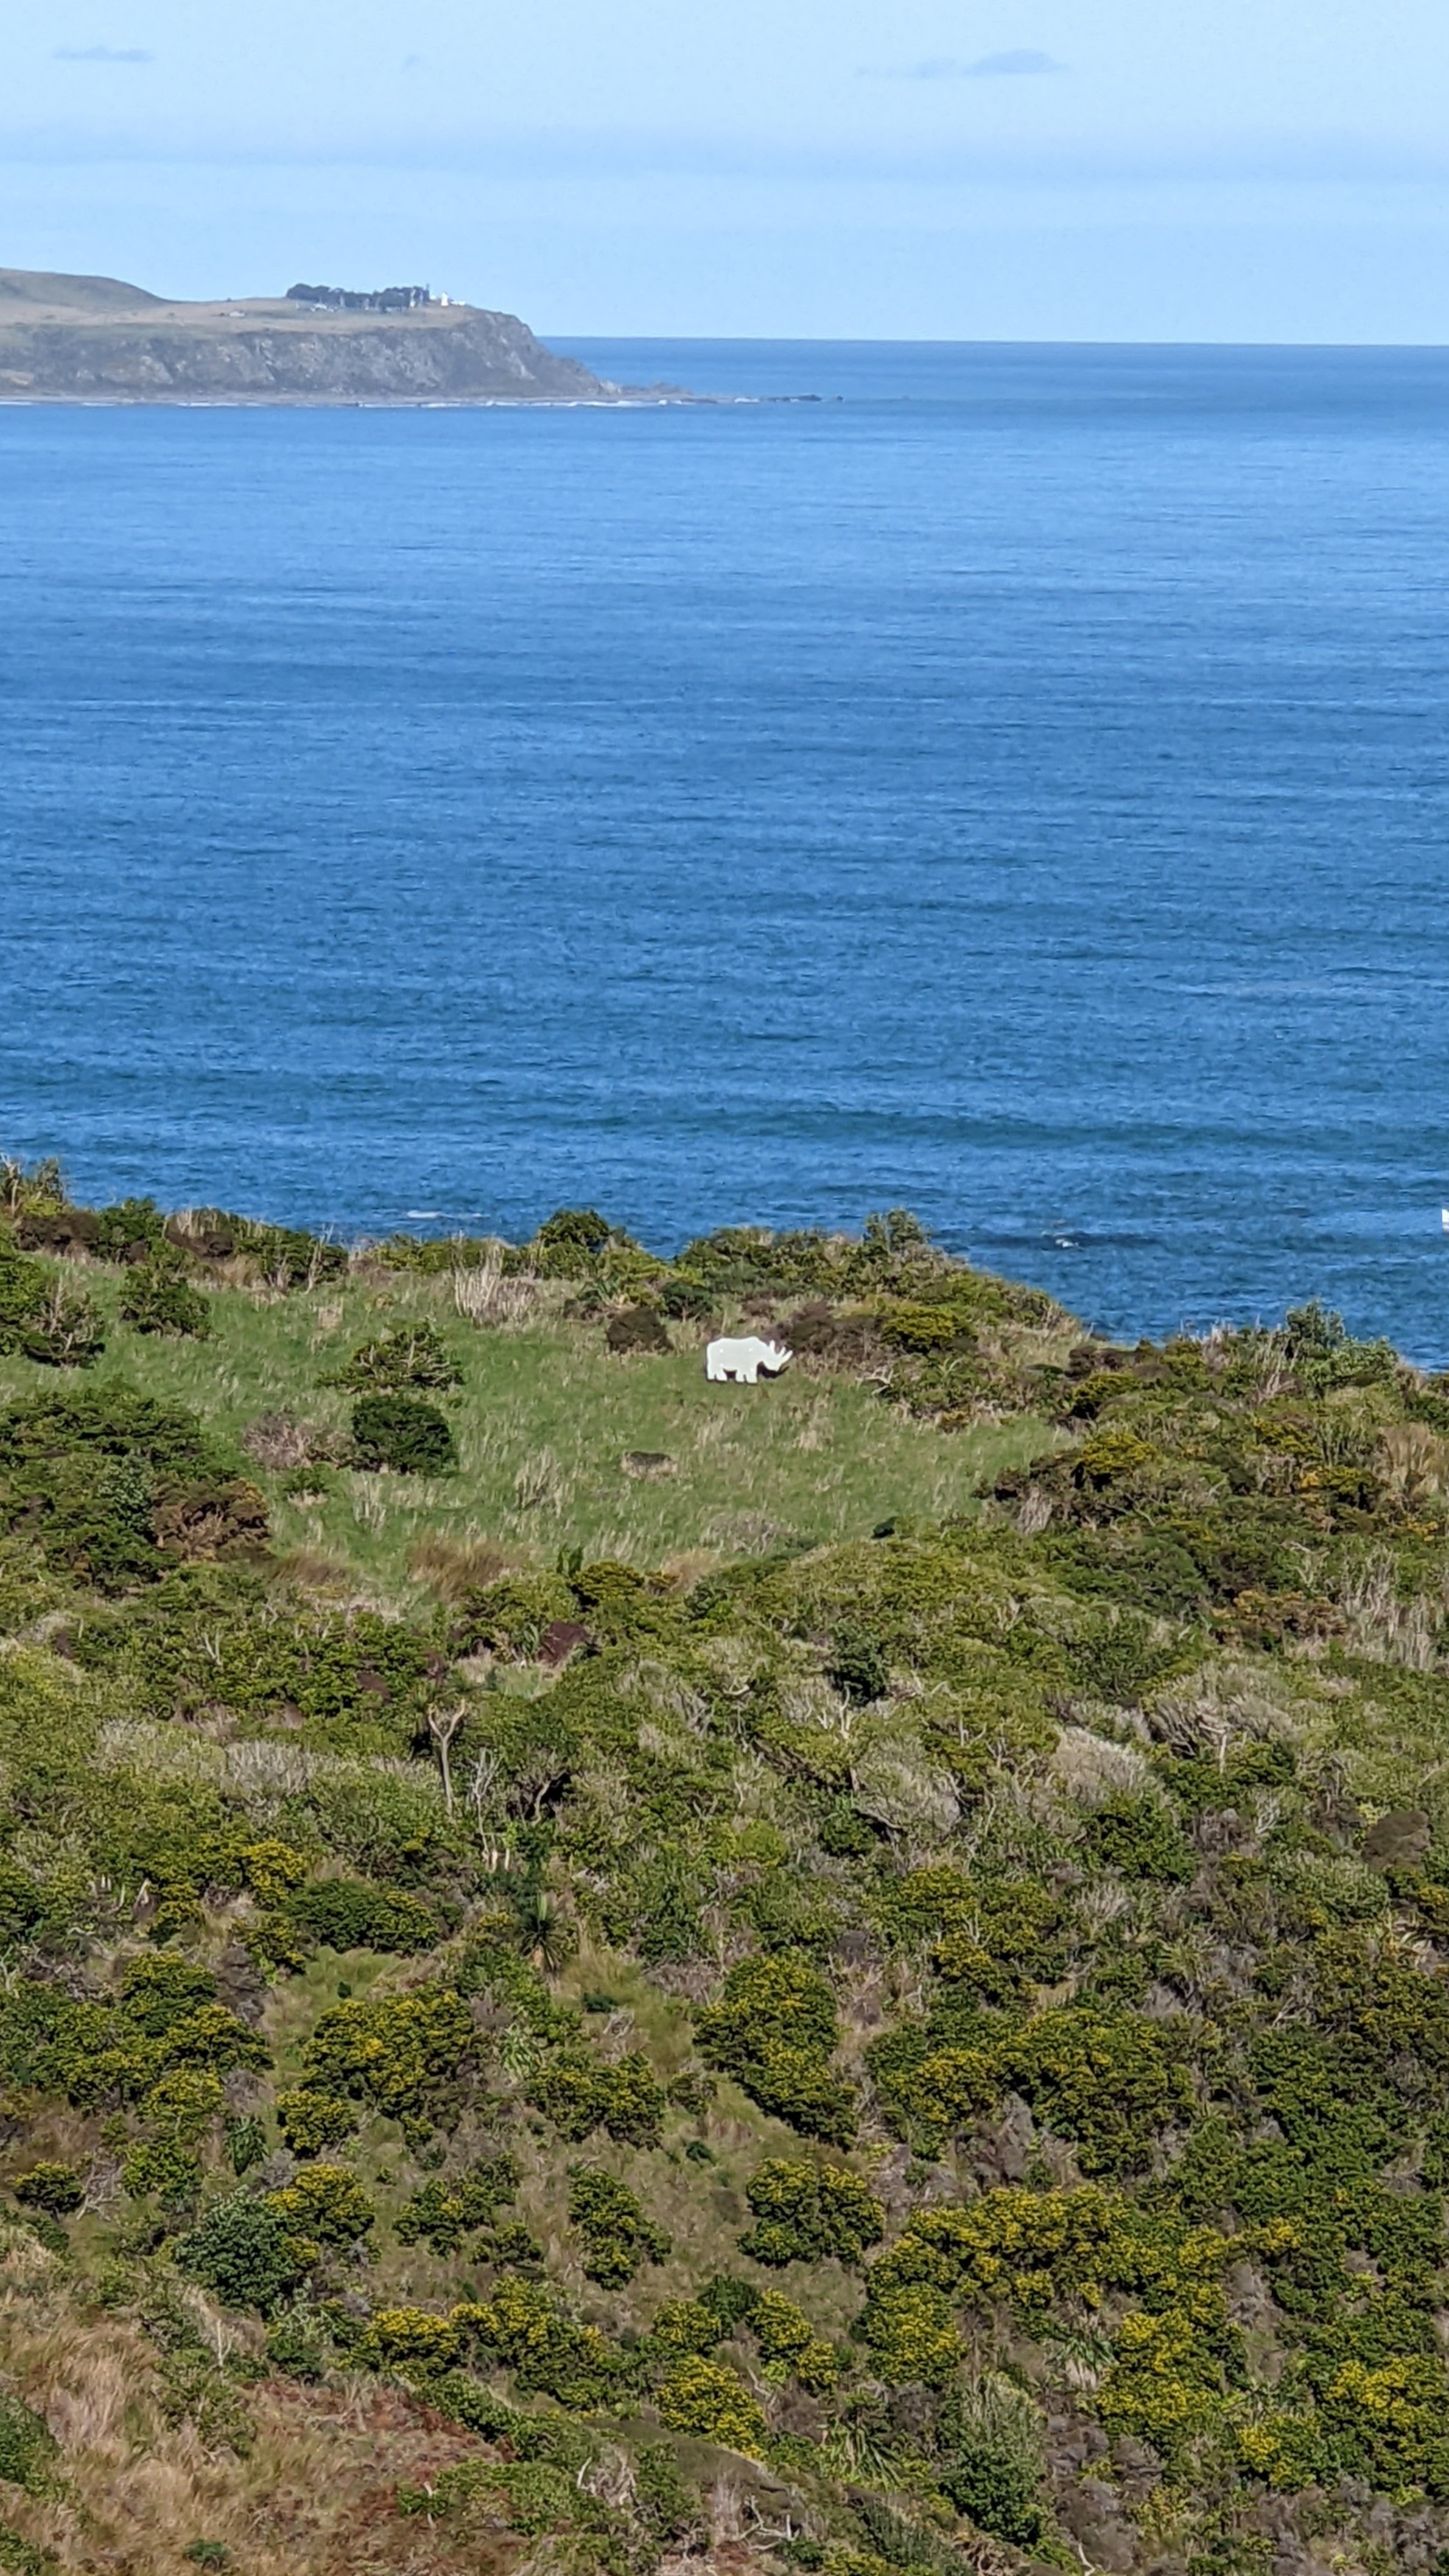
84,339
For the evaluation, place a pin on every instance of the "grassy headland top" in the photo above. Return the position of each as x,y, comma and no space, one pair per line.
606,1972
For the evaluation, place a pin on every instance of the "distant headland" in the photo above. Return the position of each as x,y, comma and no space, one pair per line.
97,339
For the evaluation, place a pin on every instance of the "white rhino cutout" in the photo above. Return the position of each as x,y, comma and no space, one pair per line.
744,1360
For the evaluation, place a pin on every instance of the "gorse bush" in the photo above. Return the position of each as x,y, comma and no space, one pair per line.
710,2401
351,1914
612,2228
446,2211
774,2029
626,2101
56,2188
404,2053
310,2122
804,2212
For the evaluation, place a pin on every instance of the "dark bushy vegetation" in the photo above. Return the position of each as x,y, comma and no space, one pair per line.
402,1432
959,2017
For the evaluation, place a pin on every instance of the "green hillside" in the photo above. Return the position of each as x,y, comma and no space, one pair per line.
602,1971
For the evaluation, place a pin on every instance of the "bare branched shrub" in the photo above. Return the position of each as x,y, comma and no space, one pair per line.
895,1786
1091,1769
668,1693
484,1297
279,1441
1413,1461
1382,1626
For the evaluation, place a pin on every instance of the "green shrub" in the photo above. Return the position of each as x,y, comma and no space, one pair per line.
128,1230
987,2483
352,1914
774,2029
404,1433
790,2345
616,2236
706,2399
298,2342
1137,1837
286,1256
158,1297
857,1668
668,2509
513,1617
55,2188
325,2203
402,2052
411,1356
627,2101
311,2121
44,1318
995,2461
244,2253
27,2446
20,2557
1110,2083
451,2207
91,1474
805,2212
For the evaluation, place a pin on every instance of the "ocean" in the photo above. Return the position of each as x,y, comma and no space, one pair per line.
1011,786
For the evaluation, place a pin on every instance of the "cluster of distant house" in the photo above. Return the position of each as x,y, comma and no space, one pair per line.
346,299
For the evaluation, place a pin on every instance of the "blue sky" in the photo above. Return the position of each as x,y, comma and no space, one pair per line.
1042,169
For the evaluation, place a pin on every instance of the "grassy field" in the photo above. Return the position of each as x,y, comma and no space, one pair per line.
543,1423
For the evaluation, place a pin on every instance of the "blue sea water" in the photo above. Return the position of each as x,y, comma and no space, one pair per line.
1014,786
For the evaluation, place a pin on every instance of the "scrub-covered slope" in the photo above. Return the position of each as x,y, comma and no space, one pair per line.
545,2024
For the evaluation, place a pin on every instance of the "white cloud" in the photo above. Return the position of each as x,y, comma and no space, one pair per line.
102,54
1021,61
